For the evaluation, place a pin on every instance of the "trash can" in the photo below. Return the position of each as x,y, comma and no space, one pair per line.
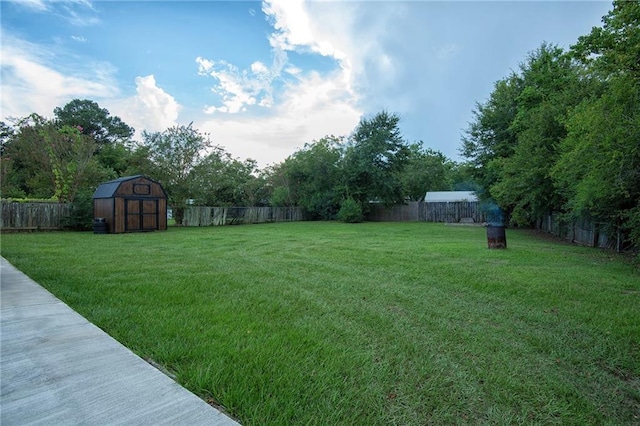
496,237
100,226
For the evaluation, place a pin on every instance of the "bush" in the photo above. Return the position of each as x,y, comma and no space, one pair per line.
350,211
81,215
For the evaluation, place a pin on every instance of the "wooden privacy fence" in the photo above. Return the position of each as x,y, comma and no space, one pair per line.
454,212
216,216
420,211
405,213
33,216
583,232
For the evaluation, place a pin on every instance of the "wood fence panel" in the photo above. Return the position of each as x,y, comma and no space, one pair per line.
583,232
409,212
218,216
16,216
453,212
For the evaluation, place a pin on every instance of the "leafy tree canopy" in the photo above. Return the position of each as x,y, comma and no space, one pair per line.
173,154
374,160
91,120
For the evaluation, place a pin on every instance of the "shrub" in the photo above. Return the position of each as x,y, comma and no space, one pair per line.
350,211
81,215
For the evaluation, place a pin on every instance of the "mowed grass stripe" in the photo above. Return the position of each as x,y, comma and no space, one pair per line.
375,323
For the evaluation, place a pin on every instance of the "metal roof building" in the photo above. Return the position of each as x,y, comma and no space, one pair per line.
450,196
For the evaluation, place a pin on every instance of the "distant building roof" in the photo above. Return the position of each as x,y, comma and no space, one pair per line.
450,196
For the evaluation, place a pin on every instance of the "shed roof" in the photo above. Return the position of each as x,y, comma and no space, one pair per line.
449,196
108,189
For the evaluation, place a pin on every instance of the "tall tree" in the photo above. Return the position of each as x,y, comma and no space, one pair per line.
174,153
220,180
310,178
91,120
614,48
42,160
426,170
551,89
70,155
598,172
111,135
599,169
26,168
374,160
490,137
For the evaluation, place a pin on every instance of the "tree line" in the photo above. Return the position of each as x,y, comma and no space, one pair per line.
66,157
562,134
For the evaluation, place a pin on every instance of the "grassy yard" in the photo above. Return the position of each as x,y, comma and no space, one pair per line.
329,323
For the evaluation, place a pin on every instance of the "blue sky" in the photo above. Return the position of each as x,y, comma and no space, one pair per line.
264,78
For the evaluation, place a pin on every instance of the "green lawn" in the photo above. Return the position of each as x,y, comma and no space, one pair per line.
375,323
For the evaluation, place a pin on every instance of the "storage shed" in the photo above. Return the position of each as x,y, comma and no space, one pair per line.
131,204
450,196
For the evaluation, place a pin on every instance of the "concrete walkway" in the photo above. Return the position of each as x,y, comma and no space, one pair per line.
56,368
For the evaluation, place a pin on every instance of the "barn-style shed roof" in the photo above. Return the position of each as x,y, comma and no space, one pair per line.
108,189
450,196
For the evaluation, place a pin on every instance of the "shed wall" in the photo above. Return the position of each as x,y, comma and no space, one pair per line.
120,216
103,207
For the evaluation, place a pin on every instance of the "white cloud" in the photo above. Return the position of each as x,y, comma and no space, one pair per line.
151,109
36,79
312,107
305,105
80,13
355,34
295,29
35,5
259,68
238,89
79,39
79,18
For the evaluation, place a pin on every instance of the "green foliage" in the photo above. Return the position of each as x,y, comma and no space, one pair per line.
612,50
173,155
350,211
220,180
490,137
116,158
84,146
93,121
310,178
77,150
70,156
374,161
562,134
81,214
373,164
599,170
551,89
426,170
28,200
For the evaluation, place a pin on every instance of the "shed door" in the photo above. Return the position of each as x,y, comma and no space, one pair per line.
142,215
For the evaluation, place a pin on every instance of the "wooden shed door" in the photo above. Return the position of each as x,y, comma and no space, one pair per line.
142,215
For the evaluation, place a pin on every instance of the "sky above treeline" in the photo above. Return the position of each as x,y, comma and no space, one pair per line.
264,78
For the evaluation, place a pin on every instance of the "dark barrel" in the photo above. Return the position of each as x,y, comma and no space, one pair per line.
496,237
100,226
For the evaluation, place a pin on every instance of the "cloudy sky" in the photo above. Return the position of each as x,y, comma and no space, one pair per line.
264,78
